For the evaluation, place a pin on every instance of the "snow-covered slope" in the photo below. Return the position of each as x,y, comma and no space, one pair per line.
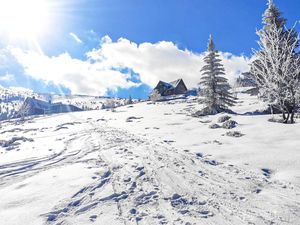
149,164
11,100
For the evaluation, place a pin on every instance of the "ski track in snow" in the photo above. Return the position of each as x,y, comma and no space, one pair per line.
144,181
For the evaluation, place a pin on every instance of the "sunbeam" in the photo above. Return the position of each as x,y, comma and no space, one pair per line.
24,19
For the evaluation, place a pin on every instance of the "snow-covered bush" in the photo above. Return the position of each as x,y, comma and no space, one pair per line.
229,124
203,112
13,141
234,134
224,118
214,126
155,96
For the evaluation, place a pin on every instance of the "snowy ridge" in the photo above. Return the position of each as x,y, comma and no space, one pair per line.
11,100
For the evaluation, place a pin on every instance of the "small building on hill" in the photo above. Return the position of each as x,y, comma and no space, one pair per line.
33,106
176,87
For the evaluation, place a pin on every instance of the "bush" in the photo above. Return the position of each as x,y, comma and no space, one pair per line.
229,124
234,134
224,118
205,112
155,96
214,126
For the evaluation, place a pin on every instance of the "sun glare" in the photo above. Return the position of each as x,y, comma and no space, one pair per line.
23,18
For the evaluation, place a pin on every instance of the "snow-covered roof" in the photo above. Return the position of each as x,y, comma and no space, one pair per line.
168,85
175,82
172,84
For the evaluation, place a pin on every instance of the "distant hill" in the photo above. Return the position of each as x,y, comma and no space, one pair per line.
11,100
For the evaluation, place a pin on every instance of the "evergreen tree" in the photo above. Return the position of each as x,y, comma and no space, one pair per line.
276,68
129,101
272,15
215,87
272,18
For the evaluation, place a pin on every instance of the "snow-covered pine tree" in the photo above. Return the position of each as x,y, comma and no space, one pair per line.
129,100
271,16
276,68
215,87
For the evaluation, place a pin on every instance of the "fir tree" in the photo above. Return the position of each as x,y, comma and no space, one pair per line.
272,15
272,18
129,101
215,87
276,68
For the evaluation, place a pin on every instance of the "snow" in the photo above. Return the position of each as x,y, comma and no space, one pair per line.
150,163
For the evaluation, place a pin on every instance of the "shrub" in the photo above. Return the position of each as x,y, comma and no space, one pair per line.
229,124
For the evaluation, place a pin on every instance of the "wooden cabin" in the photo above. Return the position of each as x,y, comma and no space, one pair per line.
176,87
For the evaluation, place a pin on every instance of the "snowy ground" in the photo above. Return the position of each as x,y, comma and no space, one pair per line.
149,164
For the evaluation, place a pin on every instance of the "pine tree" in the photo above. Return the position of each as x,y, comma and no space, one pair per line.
215,87
129,101
276,68
272,15
271,18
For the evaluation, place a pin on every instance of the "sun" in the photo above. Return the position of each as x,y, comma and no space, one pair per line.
23,18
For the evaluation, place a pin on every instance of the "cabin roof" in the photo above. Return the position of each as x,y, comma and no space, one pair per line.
175,82
172,84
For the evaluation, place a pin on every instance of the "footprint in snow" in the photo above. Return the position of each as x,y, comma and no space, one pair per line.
93,218
199,155
126,180
133,211
211,162
169,141
146,198
266,172
205,214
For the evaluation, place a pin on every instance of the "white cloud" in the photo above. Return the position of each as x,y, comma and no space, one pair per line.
81,77
7,77
101,70
234,65
75,37
162,61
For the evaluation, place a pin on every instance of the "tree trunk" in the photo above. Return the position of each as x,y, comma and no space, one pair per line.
283,116
292,117
287,110
286,120
293,106
292,113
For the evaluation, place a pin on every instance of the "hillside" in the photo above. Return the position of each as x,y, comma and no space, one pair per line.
11,100
150,163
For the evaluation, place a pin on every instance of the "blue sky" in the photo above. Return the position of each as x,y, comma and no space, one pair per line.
75,30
